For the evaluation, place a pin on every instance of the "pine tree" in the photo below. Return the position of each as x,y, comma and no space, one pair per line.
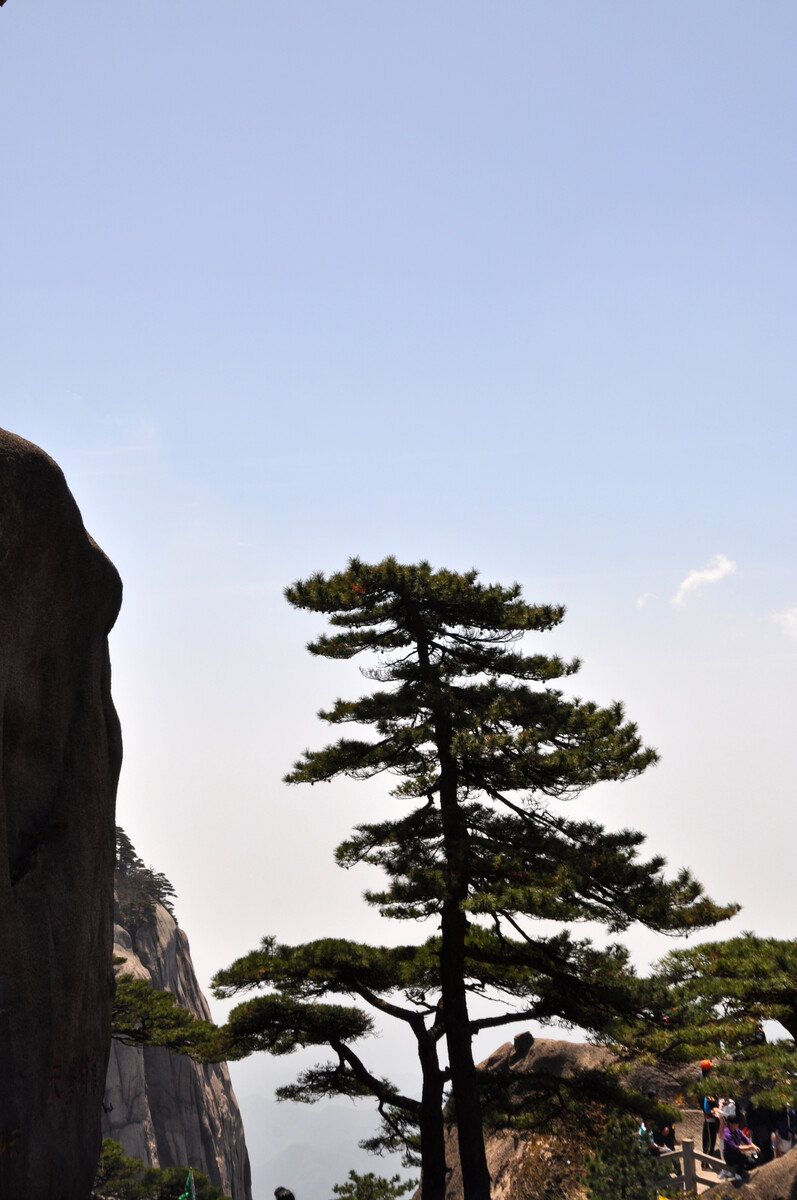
620,1168
116,1170
746,979
483,745
145,1016
138,887
710,1001
373,1187
122,1177
396,982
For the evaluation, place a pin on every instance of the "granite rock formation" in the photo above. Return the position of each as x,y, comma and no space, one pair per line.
61,753
775,1180
165,1108
510,1153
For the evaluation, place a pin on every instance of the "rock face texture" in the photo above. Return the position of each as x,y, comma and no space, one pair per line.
61,753
164,1108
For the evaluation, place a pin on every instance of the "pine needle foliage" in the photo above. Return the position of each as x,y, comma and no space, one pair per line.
373,1187
115,1170
484,746
120,1176
620,1168
138,887
709,1001
145,1016
746,979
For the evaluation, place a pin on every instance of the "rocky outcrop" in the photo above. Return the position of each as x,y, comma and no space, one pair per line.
61,753
522,1163
165,1108
775,1180
509,1154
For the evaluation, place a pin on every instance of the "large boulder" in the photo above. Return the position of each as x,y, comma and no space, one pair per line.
61,753
776,1180
522,1162
510,1153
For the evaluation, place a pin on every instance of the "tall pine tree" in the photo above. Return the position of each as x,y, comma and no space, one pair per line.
484,747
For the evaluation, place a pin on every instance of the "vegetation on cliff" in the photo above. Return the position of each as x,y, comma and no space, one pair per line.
143,1015
122,1177
138,887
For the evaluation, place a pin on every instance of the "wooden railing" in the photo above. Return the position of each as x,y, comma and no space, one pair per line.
689,1178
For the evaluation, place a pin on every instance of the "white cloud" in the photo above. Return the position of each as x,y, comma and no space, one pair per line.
642,600
787,620
715,570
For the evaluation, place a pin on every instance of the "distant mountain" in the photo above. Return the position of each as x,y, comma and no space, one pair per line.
308,1148
312,1170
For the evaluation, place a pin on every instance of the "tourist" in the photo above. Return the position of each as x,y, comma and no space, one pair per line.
738,1151
711,1112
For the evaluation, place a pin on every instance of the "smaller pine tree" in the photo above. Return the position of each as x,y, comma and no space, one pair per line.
620,1167
710,1001
115,1170
373,1187
122,1177
144,1016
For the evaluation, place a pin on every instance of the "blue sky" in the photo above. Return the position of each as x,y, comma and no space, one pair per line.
509,286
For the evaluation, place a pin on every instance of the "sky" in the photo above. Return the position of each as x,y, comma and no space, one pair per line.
507,286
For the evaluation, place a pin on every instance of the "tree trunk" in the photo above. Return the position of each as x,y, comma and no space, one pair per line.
454,924
464,1082
434,1171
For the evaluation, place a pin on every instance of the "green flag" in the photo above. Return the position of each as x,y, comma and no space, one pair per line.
188,1192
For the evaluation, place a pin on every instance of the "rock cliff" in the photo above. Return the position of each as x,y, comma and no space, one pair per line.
61,751
164,1108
